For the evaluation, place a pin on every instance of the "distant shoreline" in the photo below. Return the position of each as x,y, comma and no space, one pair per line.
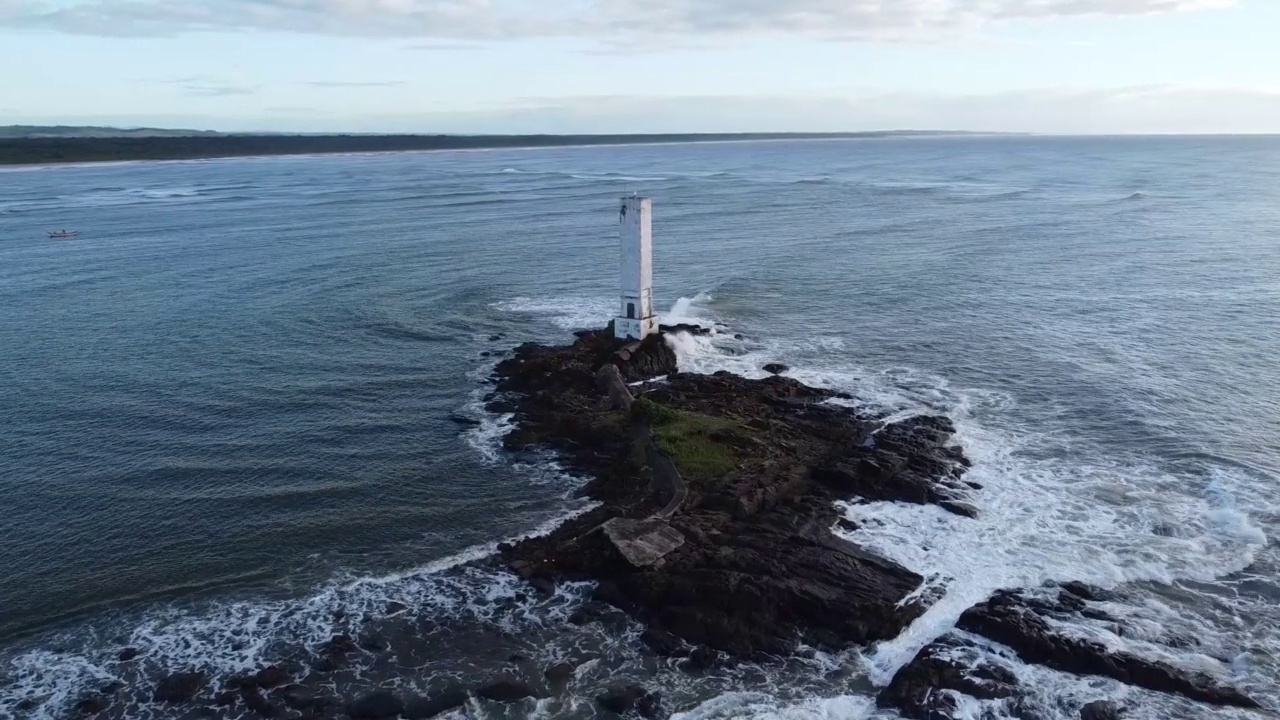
47,150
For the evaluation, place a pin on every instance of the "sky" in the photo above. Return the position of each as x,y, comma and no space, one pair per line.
613,66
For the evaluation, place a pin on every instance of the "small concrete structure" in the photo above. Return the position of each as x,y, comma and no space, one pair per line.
636,318
643,542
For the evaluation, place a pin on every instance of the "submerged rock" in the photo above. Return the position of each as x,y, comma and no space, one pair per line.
622,699
560,673
421,708
506,689
258,703
270,677
1100,710
776,368
298,697
91,705
179,687
376,706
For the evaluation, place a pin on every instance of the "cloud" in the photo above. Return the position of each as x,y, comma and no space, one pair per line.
209,87
354,84
449,20
217,90
444,46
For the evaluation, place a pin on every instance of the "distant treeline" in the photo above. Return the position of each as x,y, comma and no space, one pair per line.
39,150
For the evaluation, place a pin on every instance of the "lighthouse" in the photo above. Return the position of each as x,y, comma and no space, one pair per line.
635,317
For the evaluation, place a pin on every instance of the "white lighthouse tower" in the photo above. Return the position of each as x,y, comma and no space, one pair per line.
635,317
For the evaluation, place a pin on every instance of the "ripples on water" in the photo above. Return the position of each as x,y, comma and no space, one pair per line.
233,404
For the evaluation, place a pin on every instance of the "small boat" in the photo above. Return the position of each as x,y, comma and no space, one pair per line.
57,234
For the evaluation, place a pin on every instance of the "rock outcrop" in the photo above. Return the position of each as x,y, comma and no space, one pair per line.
924,689
1020,620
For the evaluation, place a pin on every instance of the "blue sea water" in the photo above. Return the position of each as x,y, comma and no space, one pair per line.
247,396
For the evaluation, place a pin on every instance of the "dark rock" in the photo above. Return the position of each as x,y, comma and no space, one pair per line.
621,699
1100,710
905,461
256,702
373,643
691,328
179,687
959,508
464,421
298,697
600,612
543,585
91,705
847,525
27,704
324,665
506,689
421,708
662,642
776,368
375,706
270,677
501,407
653,358
650,706
702,658
128,654
1015,620
1087,592
340,645
560,673
226,698
914,690
517,659
497,337
394,608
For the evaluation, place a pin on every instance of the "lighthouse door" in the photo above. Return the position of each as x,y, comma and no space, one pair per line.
631,311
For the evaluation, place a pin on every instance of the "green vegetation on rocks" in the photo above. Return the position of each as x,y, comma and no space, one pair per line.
700,445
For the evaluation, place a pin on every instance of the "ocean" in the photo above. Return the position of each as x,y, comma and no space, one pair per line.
244,406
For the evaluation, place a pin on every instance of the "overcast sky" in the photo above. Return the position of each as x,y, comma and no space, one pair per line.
1055,66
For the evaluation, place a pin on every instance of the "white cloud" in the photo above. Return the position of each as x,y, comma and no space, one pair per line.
210,87
343,84
493,19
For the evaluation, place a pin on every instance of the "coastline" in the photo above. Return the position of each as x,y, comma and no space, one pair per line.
42,150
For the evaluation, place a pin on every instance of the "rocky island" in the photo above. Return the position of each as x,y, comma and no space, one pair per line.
714,525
